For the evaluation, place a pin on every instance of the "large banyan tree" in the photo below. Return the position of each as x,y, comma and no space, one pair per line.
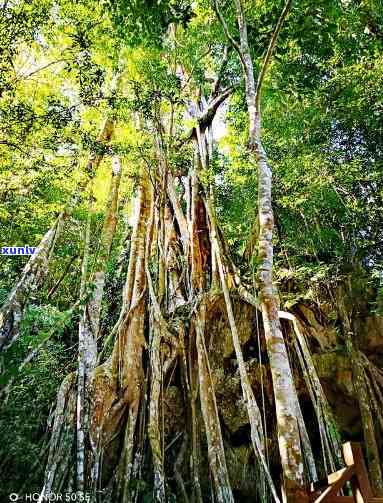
194,392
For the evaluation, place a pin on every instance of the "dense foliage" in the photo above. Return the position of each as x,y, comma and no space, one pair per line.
322,113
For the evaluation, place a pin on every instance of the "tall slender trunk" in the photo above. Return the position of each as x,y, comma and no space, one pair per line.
107,234
90,319
157,327
87,357
284,390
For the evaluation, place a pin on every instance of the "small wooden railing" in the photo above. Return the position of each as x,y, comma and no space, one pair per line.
355,472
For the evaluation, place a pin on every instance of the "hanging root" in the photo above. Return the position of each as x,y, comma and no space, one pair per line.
125,468
192,385
374,383
154,431
255,418
62,438
177,469
330,438
216,453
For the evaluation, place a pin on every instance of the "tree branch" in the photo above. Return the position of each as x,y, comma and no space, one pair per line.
44,67
229,36
207,117
218,80
269,53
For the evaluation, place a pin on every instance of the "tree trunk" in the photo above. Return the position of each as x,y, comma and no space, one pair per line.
284,390
89,321
176,263
87,357
107,234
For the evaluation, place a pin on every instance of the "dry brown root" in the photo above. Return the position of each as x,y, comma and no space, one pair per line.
115,395
114,391
118,384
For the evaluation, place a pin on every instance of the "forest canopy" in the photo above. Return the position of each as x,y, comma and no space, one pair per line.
201,185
